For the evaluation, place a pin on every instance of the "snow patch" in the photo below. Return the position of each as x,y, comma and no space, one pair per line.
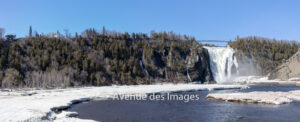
66,116
262,80
258,97
294,79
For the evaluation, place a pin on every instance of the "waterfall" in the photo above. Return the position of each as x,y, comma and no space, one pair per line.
187,69
223,63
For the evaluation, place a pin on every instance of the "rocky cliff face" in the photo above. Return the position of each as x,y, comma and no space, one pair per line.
49,62
198,66
192,66
289,69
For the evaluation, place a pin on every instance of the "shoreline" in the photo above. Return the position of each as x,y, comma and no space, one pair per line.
42,104
127,110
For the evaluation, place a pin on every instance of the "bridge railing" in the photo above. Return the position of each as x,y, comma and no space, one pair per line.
221,43
213,41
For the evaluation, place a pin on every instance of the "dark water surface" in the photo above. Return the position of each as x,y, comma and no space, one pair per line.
194,111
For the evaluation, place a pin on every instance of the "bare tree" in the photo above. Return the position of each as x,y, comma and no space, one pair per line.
36,34
51,79
10,37
2,31
11,79
67,33
103,31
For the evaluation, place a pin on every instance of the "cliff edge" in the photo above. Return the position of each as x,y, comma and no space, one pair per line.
289,69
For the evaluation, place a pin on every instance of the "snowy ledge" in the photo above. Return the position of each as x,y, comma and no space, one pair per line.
42,105
275,98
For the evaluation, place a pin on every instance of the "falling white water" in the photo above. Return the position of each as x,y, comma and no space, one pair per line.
187,70
222,61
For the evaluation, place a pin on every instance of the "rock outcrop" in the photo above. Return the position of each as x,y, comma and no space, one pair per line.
194,67
289,69
179,66
198,66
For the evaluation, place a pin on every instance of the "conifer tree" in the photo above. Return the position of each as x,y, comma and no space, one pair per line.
30,32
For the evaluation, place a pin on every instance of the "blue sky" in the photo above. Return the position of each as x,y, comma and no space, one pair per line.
204,19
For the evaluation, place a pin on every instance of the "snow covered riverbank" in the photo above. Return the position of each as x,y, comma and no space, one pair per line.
265,80
258,97
35,105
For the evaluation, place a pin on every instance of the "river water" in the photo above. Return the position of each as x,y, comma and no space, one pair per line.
201,110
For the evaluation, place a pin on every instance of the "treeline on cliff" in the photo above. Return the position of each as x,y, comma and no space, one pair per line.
100,58
267,53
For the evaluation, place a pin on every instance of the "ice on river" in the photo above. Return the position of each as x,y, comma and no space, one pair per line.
35,105
258,97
